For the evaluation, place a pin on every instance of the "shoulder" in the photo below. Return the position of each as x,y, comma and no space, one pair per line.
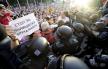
103,35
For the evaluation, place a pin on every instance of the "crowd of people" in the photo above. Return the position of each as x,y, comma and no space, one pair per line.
62,42
41,10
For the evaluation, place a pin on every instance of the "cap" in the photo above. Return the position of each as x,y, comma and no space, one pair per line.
2,6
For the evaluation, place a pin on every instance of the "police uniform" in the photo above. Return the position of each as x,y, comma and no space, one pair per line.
37,51
67,62
66,43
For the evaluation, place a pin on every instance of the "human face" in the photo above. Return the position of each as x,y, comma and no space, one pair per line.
2,10
51,21
62,14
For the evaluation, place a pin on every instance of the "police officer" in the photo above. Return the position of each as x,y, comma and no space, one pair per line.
102,38
38,51
97,61
79,31
102,28
100,44
67,62
81,35
66,42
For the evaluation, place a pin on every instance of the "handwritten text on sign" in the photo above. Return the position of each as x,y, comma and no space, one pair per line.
24,26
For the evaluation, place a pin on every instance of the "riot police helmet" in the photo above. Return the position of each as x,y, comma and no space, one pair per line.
78,27
64,32
67,62
98,26
39,46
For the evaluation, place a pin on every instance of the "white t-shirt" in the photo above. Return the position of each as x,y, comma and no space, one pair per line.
52,26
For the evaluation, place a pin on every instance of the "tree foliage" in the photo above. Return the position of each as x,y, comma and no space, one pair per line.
24,2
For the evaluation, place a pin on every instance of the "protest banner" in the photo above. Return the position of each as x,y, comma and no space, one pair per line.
24,26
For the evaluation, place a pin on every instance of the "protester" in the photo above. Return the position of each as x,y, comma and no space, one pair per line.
11,34
47,31
8,59
63,17
5,15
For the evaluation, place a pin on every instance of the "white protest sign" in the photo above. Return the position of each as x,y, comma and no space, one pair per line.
24,26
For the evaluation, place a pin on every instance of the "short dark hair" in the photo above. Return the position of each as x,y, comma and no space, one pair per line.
60,23
48,18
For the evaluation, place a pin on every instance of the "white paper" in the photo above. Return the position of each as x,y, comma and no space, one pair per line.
25,25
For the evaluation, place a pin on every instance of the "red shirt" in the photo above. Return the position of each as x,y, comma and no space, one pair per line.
5,19
49,36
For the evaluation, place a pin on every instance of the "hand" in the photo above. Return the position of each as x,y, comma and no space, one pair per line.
10,32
